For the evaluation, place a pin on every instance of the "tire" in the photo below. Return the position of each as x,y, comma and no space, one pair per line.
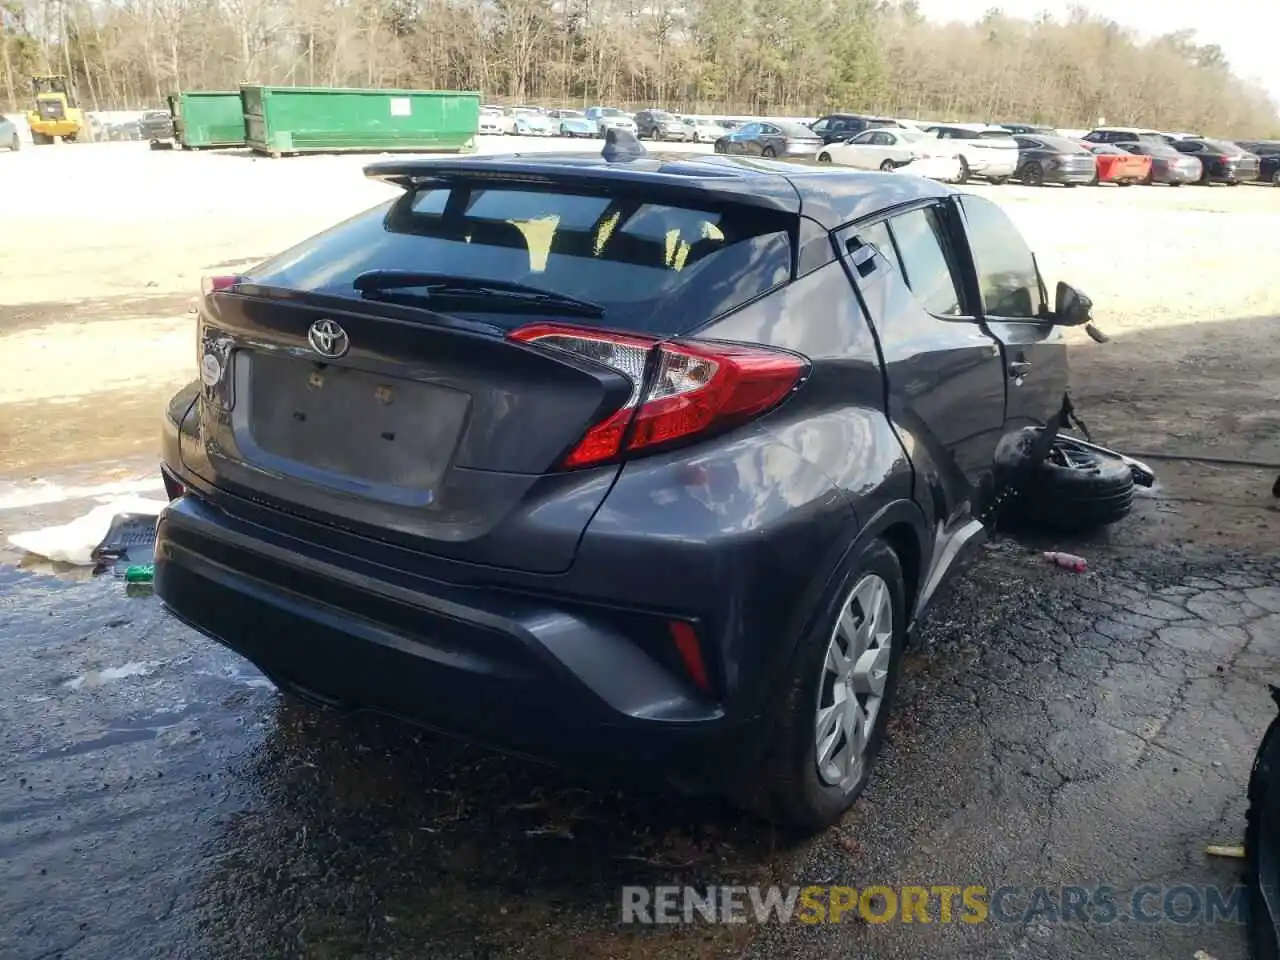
787,786
824,157
15,144
40,139
888,166
768,153
1275,179
1076,490
964,171
718,147
1033,175
1260,823
1095,182
1175,183
999,181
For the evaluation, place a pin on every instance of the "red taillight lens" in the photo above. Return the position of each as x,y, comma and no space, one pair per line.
686,641
692,387
210,285
173,488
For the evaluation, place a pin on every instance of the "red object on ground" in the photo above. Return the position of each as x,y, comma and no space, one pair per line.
1067,561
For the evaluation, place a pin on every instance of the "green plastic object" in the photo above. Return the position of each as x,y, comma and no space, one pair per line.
280,121
140,573
205,119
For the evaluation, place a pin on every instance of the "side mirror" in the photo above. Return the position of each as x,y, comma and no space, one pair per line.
1071,308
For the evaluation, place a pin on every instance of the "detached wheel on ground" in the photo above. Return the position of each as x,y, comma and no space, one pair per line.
1262,847
829,719
1076,490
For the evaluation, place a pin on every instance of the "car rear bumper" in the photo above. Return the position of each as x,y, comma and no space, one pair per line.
1068,175
516,673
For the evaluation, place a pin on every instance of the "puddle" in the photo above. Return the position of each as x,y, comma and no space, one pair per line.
96,678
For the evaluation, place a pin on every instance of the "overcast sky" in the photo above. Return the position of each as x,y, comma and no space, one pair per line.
1251,42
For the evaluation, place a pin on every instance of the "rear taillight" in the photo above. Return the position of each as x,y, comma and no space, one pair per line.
211,285
681,389
173,487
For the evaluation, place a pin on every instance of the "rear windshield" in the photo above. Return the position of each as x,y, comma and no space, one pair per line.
994,135
654,267
796,130
1222,146
1062,144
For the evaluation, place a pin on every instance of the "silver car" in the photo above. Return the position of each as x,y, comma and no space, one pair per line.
9,138
611,118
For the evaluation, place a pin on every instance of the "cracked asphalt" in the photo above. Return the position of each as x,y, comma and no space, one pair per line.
158,798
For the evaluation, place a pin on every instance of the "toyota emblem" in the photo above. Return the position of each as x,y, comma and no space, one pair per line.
328,339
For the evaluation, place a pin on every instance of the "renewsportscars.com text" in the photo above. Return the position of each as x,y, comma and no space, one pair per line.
938,903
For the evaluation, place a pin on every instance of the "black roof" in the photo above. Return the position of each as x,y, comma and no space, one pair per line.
830,195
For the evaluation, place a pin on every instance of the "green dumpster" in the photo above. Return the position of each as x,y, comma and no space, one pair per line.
207,118
286,120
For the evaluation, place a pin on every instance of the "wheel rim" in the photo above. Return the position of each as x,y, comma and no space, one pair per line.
855,672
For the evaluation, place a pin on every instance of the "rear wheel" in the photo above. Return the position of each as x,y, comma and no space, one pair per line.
888,166
999,181
40,139
1175,183
824,157
1275,179
964,171
16,143
1262,845
829,718
1033,175
768,152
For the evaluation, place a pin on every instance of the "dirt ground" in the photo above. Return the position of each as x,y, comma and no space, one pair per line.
163,800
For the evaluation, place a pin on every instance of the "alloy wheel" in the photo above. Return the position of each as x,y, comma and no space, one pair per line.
852,690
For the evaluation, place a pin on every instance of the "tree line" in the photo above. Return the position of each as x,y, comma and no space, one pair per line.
762,57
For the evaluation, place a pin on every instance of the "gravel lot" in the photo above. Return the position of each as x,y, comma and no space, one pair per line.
158,799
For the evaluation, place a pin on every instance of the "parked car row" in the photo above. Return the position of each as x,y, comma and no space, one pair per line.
1030,153
1039,155
597,122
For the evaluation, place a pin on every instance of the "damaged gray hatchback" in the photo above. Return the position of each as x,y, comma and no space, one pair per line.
618,459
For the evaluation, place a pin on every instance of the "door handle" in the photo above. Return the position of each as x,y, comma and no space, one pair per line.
1019,368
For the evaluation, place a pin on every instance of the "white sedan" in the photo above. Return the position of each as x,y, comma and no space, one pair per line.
891,149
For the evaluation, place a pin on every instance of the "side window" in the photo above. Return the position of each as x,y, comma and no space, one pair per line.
1025,144
877,234
924,263
822,125
1093,137
865,137
749,131
1007,278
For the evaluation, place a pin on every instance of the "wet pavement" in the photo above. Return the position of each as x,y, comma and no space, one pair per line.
158,798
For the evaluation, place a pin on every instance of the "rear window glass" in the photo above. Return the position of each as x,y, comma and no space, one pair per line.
993,135
1062,145
795,130
653,267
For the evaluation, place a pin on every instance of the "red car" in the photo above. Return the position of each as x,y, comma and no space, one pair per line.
1118,166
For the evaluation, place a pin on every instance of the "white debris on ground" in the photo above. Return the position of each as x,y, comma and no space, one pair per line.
76,541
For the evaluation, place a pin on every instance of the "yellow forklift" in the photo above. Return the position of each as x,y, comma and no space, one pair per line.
56,113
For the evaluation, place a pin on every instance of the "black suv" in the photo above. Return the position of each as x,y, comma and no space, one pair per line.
156,126
665,485
837,127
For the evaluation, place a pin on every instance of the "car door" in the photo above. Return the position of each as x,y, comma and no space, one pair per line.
822,127
743,139
1029,150
1012,307
946,379
770,139
856,152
